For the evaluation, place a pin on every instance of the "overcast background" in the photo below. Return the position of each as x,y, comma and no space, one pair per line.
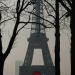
20,47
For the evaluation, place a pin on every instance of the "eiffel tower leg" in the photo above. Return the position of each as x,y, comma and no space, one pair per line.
46,54
29,55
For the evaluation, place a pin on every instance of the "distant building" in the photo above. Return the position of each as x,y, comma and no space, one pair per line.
17,65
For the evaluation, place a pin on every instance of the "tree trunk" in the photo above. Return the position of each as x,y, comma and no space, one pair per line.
57,53
57,42
72,23
1,66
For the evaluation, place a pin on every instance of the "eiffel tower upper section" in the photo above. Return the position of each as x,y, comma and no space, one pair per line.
37,28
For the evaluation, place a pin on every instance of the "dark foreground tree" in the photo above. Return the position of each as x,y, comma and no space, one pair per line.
70,10
57,40
57,34
20,7
72,23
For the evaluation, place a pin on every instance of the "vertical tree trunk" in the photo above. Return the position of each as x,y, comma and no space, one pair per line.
1,65
57,42
72,23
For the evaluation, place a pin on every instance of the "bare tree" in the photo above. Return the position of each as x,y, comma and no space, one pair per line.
57,43
69,7
57,34
20,7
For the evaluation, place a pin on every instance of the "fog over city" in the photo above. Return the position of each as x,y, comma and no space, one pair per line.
19,49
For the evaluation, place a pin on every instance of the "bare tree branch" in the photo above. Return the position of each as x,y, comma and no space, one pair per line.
0,42
11,42
41,18
4,5
48,12
37,23
64,6
7,20
69,3
50,5
22,5
25,6
23,25
63,16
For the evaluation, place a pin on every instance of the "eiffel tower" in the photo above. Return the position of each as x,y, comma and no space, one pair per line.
37,40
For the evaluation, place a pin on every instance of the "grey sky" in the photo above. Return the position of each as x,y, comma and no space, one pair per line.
20,47
18,52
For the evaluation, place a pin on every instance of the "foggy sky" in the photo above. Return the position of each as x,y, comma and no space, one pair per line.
20,47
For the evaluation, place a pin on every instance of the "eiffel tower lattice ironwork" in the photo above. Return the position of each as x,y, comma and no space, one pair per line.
37,40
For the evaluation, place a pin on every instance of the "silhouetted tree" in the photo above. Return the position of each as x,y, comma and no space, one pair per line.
70,14
57,29
57,34
57,42
0,16
19,9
